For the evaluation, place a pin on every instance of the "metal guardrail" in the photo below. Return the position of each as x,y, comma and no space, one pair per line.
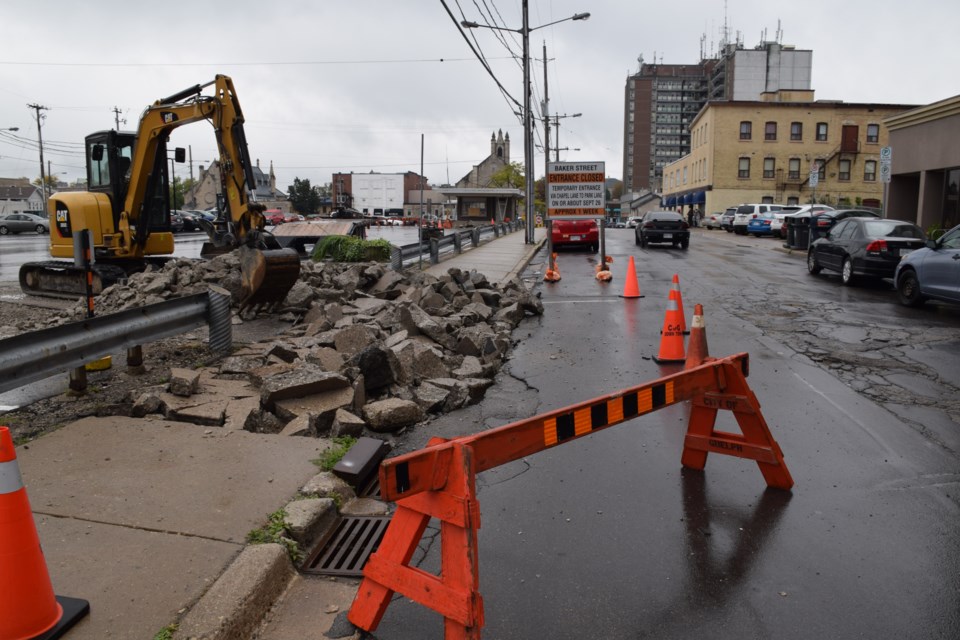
37,355
435,249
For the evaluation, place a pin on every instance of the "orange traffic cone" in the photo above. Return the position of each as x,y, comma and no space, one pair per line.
671,337
553,272
28,607
631,287
675,287
697,352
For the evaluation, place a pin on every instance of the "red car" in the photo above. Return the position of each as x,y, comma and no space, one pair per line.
273,217
575,232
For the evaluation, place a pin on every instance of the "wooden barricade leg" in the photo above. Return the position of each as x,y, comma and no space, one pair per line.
757,443
455,592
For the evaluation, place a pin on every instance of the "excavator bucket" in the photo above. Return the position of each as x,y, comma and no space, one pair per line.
267,275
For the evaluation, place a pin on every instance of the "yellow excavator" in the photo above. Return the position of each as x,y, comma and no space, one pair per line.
127,210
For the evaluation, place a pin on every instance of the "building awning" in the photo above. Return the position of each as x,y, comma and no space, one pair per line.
687,199
700,197
671,201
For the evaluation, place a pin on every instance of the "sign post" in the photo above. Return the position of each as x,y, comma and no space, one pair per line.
886,156
575,191
814,178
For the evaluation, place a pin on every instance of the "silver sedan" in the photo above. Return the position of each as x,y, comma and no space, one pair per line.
20,222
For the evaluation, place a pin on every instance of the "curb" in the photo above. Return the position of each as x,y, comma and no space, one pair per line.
235,605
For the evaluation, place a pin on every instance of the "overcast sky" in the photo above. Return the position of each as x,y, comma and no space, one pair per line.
351,86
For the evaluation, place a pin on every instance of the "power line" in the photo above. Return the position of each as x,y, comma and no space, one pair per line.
232,64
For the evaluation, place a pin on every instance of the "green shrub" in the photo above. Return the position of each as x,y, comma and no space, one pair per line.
351,249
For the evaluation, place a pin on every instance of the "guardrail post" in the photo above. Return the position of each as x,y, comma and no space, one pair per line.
434,251
219,320
457,243
496,231
396,258
475,236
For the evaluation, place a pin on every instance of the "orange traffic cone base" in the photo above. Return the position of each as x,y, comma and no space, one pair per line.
660,360
73,610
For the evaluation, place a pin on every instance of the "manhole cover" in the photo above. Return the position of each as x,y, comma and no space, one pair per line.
347,548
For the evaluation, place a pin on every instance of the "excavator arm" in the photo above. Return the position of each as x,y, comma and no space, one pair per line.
268,272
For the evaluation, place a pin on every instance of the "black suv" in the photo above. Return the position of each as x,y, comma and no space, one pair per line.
663,226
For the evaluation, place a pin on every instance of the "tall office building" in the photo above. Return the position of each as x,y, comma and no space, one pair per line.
661,100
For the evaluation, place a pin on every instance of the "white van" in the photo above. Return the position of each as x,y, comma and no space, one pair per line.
747,211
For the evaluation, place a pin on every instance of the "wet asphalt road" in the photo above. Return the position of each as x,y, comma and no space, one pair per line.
608,537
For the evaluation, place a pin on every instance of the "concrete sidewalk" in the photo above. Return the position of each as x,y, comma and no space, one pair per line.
499,259
142,517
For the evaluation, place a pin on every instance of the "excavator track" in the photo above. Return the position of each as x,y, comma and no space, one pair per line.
60,279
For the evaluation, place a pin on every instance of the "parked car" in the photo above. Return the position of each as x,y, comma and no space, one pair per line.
346,213
864,247
823,221
191,219
292,217
633,221
663,226
747,211
761,225
575,233
931,272
726,220
274,218
176,221
21,222
713,221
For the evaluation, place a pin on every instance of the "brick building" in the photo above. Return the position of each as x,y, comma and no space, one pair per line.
661,101
764,151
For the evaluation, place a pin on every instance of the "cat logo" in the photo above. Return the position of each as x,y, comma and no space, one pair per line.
168,117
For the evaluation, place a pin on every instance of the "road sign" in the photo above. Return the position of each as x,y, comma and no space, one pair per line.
884,171
886,153
814,178
576,190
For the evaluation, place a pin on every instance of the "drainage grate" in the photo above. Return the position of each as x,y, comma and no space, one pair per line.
347,548
370,488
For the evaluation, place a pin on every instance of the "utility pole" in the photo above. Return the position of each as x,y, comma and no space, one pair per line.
546,154
546,120
43,178
116,117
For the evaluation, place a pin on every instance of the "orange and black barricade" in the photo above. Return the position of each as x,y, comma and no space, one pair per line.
439,481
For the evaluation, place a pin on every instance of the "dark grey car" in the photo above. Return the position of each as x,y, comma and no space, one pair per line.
21,222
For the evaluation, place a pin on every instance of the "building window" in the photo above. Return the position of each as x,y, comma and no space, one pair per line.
870,171
844,173
796,131
769,164
821,170
746,130
821,132
873,133
743,170
794,169
770,131
793,200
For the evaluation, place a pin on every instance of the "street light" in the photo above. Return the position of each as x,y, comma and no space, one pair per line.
527,124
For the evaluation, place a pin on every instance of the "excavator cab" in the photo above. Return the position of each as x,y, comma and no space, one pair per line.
109,162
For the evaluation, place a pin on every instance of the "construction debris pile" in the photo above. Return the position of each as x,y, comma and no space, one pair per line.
368,348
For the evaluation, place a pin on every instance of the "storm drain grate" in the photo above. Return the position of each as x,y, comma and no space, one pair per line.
348,547
371,488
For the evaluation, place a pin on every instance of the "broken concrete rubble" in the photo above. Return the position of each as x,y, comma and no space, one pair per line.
368,348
